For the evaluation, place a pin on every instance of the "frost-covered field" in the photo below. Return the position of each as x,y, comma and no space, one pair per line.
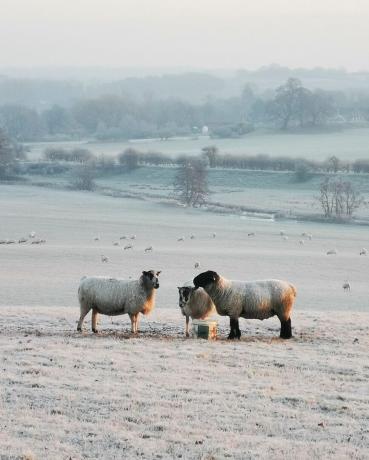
111,396
348,144
159,395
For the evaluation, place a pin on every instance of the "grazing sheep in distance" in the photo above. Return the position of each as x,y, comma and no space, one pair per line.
132,237
149,249
112,297
250,300
194,303
128,246
332,252
301,242
346,286
181,238
104,259
363,252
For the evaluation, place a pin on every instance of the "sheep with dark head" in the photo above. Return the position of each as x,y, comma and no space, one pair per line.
249,299
194,303
112,297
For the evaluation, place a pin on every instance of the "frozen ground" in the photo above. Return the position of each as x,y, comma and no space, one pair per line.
66,395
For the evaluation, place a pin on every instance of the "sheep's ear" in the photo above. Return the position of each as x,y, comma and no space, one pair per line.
158,273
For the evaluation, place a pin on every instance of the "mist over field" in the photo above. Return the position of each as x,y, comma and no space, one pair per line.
143,144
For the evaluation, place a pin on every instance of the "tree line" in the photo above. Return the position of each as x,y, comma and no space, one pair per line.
114,117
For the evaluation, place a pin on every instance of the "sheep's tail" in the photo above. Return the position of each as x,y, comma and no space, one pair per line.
83,278
294,290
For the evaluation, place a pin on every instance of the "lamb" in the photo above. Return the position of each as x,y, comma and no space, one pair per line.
194,303
250,300
112,297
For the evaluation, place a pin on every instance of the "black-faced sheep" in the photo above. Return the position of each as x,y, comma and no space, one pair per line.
250,300
194,303
112,297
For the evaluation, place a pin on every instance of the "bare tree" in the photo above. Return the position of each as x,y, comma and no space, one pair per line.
7,155
338,198
84,176
190,184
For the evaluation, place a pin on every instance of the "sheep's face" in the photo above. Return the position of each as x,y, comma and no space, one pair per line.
205,278
184,295
151,278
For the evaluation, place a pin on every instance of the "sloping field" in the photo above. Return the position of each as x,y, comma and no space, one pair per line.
111,396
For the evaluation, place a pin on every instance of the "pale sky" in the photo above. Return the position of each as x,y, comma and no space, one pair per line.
226,34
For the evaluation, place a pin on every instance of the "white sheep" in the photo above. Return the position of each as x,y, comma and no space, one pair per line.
149,249
194,303
346,286
32,234
332,252
363,251
132,237
250,300
112,297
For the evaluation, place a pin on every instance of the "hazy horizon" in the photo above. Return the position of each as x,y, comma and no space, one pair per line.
195,35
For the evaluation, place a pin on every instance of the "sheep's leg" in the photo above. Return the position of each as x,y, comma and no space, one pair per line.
83,313
237,326
286,330
94,320
133,323
187,324
233,325
137,322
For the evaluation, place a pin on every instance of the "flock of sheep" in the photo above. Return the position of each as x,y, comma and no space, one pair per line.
31,237
210,292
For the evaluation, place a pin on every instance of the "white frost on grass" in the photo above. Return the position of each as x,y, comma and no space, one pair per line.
158,395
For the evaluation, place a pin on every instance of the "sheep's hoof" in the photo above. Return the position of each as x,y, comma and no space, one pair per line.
95,331
231,336
187,334
79,329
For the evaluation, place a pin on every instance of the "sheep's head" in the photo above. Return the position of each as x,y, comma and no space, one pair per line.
184,295
205,278
150,278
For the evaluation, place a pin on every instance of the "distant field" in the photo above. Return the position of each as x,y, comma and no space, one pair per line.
346,144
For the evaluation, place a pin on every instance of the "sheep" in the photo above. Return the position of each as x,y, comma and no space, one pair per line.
197,265
332,252
97,238
112,297
123,237
115,243
250,300
194,303
363,252
251,234
149,249
132,237
181,238
192,237
301,242
104,259
128,246
346,286
32,234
